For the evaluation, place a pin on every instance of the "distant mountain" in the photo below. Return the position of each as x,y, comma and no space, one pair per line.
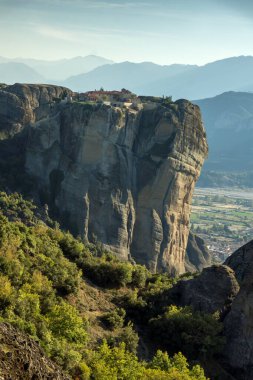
214,78
63,68
12,72
133,76
180,81
146,78
228,119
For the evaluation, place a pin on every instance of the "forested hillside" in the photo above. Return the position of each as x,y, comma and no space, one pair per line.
95,316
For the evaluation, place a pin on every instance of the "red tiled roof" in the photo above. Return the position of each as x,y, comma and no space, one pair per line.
103,93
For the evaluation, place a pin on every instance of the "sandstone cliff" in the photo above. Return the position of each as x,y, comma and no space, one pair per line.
119,176
22,104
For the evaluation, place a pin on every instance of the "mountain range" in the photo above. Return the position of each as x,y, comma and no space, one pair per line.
134,76
18,72
146,78
51,71
178,81
228,119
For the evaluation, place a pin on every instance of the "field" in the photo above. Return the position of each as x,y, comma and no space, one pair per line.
223,218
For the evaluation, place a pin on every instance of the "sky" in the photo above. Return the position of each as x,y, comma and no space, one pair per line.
161,31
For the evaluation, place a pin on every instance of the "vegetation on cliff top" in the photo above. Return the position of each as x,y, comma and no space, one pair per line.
43,271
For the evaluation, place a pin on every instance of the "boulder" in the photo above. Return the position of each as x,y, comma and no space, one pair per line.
212,291
241,261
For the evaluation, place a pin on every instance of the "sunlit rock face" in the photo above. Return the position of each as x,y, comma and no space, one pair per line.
121,176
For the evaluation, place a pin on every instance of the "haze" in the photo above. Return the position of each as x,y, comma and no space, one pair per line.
161,31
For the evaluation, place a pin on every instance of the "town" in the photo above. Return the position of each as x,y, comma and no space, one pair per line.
223,219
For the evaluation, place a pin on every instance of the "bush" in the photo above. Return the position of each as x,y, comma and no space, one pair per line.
134,305
117,363
139,276
38,284
128,336
6,291
65,322
195,333
115,319
71,247
108,274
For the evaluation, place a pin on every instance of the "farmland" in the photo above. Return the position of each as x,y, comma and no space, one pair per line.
223,218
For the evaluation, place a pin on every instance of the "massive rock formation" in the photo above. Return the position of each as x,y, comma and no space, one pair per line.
238,323
124,177
24,104
213,290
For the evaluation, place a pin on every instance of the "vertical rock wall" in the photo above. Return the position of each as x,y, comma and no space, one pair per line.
119,176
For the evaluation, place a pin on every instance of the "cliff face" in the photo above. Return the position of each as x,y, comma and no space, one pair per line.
22,104
121,176
238,323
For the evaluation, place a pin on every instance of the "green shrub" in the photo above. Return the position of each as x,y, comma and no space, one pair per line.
108,274
115,319
40,276
65,322
71,247
194,333
6,291
128,336
134,305
118,363
139,276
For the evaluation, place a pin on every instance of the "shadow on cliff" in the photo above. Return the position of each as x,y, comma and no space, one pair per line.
13,176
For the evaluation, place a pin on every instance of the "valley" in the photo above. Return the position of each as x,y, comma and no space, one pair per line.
223,217
126,190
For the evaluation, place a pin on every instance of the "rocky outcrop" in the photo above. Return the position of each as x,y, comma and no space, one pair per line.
197,255
22,358
119,176
213,290
238,323
22,104
241,261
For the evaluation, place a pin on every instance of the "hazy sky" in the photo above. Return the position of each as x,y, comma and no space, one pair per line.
162,31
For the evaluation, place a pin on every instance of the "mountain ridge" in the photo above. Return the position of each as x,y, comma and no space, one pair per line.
190,82
228,120
20,71
55,70
147,78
